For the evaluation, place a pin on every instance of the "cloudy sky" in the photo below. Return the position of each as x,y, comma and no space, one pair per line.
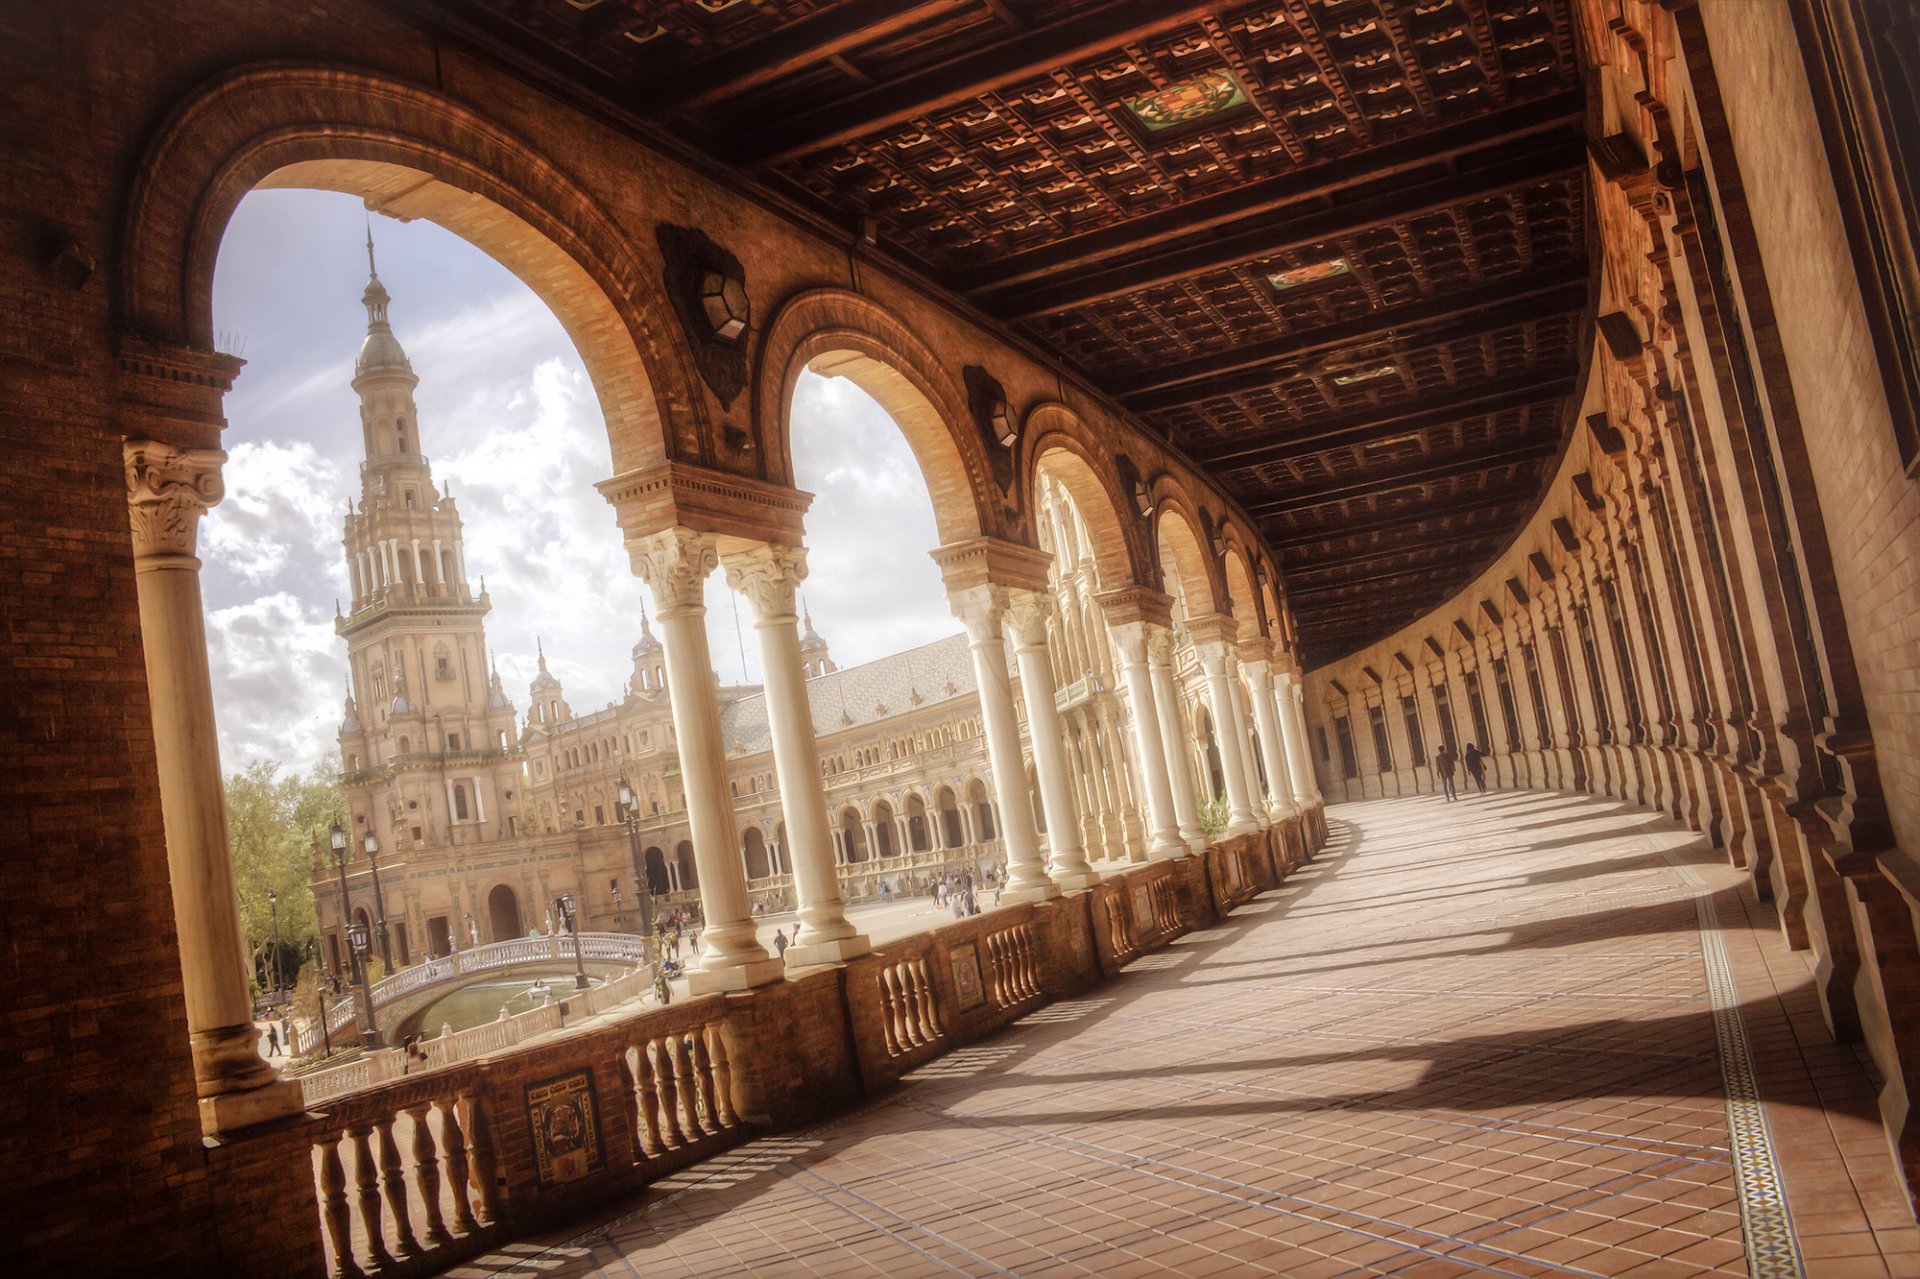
511,425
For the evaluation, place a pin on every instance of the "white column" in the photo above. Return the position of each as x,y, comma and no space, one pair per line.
675,563
438,575
768,576
1173,731
1273,753
1130,639
981,609
1291,697
168,489
419,569
393,554
1243,742
1027,615
460,564
1217,662
479,802
386,577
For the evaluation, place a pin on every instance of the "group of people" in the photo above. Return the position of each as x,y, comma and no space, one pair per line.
955,892
1444,762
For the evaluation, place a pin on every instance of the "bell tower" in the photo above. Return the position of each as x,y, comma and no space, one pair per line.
428,748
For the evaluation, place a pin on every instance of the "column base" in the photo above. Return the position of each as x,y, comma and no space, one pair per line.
838,951
1030,893
1172,852
1078,881
232,1111
758,972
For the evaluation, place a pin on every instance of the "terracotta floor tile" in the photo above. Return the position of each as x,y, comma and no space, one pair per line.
1464,1039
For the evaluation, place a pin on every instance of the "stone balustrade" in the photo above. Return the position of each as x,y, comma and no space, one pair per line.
627,948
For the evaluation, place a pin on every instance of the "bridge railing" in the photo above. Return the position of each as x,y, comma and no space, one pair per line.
623,947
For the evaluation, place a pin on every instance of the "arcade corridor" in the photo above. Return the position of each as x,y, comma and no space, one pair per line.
1501,1037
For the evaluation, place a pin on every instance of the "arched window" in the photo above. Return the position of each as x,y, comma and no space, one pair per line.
883,834
982,810
753,851
852,838
919,835
459,803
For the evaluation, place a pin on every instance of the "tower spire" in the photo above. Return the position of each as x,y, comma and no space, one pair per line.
371,273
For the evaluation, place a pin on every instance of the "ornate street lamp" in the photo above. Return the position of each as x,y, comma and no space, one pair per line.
320,981
356,951
379,904
273,908
568,911
629,807
619,911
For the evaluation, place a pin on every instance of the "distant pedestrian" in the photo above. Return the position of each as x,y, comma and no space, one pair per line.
780,942
1443,763
1476,766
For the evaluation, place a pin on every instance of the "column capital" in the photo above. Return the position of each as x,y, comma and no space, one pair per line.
1216,657
1130,638
1027,614
1159,644
1135,604
675,563
769,576
1259,674
981,609
168,490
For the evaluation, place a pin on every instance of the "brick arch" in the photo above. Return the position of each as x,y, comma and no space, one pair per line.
1242,600
842,334
1177,530
419,154
1064,447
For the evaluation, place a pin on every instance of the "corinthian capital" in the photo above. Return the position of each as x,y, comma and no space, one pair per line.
980,609
1159,644
675,563
1215,657
1026,617
1259,674
168,489
768,576
1130,638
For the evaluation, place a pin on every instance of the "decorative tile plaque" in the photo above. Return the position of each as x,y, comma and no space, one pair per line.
565,1118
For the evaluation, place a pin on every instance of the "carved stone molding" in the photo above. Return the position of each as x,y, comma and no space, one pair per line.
1027,615
168,490
981,609
769,576
675,563
1130,639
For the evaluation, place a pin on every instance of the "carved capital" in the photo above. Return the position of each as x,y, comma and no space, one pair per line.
675,563
1159,644
1216,657
768,576
1259,675
168,490
981,609
1130,638
1027,615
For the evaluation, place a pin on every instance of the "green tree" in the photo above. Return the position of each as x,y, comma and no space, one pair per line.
271,822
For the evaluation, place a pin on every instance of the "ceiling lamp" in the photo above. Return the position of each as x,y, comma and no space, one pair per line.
724,300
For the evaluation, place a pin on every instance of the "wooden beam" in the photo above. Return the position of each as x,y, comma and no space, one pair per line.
1491,306
1441,408
1494,500
1372,579
820,35
1424,472
1298,566
1032,52
1319,183
1267,236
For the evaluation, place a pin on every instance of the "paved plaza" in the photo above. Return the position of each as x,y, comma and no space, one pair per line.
1493,1037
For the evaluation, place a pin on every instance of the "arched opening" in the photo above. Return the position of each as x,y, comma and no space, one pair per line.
885,842
683,857
853,839
1213,774
983,816
658,881
952,833
753,851
919,832
503,914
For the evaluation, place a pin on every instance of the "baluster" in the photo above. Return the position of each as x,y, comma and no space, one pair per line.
630,1106
1030,960
485,1160
907,1002
426,1173
722,1075
1016,945
684,1085
393,1181
703,1077
649,1098
669,1094
923,992
997,954
887,1031
366,1178
455,1142
335,1212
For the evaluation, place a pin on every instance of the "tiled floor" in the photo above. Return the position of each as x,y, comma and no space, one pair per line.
1472,1038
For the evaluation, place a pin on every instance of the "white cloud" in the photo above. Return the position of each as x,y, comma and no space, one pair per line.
282,499
278,674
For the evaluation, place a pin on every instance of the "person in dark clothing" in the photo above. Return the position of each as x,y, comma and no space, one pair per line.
1443,762
1476,761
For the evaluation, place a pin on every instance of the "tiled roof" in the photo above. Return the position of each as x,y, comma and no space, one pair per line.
855,695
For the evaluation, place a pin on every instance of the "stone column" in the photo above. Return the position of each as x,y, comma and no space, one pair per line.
1132,640
1291,697
1026,620
1267,724
1173,733
675,563
1217,661
982,609
1243,742
168,489
768,576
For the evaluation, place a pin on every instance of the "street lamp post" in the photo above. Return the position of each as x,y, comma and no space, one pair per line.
273,908
369,1036
619,911
379,904
320,980
630,813
570,919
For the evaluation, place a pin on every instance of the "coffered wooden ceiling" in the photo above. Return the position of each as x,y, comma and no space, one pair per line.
1334,250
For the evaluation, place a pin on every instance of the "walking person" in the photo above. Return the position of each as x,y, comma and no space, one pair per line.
1443,762
780,942
1476,761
